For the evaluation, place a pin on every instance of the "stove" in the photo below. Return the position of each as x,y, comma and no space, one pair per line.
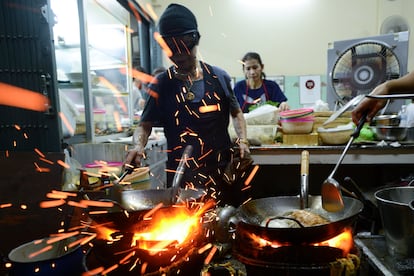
375,259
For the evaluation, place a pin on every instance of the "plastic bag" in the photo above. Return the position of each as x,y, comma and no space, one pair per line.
71,175
263,115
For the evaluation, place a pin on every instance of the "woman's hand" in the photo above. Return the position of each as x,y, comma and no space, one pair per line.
284,106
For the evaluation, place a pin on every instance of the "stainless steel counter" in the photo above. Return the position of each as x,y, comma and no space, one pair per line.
357,154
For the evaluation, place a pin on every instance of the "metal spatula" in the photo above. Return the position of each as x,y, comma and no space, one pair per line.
331,190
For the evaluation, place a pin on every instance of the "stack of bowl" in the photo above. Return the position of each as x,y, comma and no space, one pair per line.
297,121
387,127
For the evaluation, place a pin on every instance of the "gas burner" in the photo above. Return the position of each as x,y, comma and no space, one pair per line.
163,241
263,257
376,260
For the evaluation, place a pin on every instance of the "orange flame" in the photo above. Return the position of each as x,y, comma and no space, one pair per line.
343,241
168,227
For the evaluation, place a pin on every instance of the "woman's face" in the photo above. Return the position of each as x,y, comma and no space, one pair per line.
252,69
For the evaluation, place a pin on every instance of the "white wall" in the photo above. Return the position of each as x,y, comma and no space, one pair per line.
292,36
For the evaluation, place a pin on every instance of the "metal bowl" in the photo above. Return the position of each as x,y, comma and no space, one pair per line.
390,133
386,120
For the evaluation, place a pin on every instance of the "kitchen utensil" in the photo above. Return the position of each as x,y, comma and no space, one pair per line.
179,172
386,120
390,133
250,217
391,96
352,102
128,170
394,204
331,190
304,181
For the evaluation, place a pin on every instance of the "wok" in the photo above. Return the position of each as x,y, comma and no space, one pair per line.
252,216
134,200
131,205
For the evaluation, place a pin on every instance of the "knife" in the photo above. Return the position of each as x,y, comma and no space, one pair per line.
352,102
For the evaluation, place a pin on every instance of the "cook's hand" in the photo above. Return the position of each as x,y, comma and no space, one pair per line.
134,157
370,106
284,106
243,147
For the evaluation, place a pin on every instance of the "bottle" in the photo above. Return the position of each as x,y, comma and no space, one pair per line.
410,114
403,116
410,122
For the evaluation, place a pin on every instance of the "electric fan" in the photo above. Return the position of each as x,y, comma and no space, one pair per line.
357,66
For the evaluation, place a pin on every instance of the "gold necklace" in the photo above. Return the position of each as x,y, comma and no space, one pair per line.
190,95
188,83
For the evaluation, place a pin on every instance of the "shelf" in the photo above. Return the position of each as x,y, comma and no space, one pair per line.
357,154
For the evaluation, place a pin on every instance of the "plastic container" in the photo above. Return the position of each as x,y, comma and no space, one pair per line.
297,125
296,113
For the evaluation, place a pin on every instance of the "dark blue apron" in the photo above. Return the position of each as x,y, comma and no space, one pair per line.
187,123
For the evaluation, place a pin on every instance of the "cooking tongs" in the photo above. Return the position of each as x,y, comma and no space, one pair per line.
344,108
391,96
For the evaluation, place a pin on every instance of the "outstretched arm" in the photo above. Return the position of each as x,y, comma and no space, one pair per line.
371,106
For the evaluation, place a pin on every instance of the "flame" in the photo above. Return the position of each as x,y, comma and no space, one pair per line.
104,233
343,241
167,228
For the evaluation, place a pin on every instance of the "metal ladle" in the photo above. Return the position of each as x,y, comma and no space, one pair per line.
332,200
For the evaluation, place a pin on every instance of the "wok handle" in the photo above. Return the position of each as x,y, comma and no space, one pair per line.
304,169
304,183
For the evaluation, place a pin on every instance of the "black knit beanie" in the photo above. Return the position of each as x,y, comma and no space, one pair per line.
177,20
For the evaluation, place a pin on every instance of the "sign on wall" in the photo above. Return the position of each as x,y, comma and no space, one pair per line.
310,89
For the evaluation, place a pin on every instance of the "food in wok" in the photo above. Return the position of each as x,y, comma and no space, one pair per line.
296,219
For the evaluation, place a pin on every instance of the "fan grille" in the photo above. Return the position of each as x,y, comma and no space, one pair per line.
361,67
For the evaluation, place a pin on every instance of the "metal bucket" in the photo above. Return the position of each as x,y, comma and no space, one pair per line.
397,219
57,258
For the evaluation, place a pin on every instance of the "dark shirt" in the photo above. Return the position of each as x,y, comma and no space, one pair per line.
186,123
269,91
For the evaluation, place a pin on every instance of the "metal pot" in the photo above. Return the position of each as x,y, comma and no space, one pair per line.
251,215
390,133
386,120
395,206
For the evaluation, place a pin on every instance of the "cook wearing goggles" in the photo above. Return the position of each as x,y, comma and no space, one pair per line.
193,102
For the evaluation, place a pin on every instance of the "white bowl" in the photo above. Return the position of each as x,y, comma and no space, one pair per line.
337,135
